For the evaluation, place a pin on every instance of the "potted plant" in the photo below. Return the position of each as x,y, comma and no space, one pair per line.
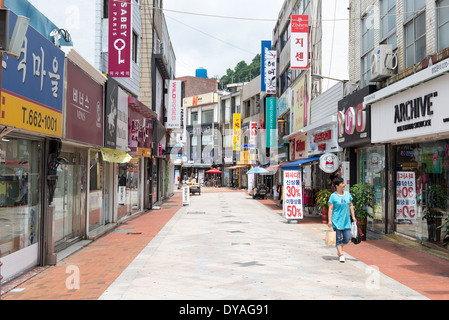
363,197
322,202
436,204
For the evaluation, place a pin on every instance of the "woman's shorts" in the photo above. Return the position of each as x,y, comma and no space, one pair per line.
343,236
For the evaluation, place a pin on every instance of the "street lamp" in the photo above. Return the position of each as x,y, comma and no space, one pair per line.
319,76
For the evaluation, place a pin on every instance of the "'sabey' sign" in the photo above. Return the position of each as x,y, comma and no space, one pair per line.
119,47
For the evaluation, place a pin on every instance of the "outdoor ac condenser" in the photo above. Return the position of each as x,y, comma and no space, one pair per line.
383,62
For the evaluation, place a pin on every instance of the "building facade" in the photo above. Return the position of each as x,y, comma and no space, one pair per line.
400,48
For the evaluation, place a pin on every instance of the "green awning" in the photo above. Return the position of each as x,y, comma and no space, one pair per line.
117,156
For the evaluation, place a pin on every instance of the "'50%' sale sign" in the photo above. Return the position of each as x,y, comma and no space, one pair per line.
405,195
292,193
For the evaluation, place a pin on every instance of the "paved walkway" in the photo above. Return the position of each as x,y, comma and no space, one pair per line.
104,264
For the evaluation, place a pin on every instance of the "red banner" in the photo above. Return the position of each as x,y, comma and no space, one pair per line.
120,32
299,42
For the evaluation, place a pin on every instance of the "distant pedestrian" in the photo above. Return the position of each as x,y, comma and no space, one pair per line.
340,212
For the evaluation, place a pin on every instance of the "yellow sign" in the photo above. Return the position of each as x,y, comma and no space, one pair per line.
144,152
117,156
25,114
237,135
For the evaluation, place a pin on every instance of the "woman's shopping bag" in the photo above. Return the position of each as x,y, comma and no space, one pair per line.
331,238
354,229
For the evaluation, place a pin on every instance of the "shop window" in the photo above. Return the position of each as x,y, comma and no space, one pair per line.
20,199
420,210
371,171
96,212
128,188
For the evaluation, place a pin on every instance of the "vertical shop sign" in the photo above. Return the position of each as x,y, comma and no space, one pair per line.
292,193
84,110
237,135
32,85
299,43
271,122
301,103
406,195
270,71
252,134
174,105
120,31
266,46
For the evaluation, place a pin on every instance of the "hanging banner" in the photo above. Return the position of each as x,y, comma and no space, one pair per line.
120,31
270,71
406,195
174,105
237,135
266,46
292,194
270,117
252,134
299,42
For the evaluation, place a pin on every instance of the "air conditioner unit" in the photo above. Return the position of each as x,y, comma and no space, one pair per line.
383,62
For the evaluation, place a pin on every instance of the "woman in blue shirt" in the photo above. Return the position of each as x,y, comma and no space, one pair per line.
340,212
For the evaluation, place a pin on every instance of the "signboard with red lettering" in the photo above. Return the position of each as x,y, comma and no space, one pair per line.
299,42
119,45
174,104
292,194
406,195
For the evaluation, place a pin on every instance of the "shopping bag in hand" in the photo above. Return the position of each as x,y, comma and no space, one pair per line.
331,238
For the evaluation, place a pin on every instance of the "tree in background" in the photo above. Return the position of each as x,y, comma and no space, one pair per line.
241,73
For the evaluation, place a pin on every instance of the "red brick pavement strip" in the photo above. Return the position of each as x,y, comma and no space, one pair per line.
99,266
418,270
99,263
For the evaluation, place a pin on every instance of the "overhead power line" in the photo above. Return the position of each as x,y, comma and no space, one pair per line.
275,20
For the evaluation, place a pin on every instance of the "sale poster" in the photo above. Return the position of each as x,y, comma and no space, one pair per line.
292,195
406,195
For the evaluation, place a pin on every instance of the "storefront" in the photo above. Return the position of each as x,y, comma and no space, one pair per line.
366,162
31,114
83,130
412,115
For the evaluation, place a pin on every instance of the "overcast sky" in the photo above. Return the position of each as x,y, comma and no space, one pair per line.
213,43
218,43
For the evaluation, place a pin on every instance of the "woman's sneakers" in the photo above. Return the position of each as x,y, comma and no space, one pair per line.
342,258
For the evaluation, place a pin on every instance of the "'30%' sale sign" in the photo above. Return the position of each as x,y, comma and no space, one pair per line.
292,193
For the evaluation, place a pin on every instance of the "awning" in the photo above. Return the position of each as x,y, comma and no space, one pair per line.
238,167
295,165
275,167
116,156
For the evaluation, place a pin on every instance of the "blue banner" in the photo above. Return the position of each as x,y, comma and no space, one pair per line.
266,45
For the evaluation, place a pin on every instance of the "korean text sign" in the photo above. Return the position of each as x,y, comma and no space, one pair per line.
299,42
292,193
237,132
84,121
405,195
33,85
119,46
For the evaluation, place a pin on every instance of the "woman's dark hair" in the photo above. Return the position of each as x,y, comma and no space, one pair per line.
337,181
